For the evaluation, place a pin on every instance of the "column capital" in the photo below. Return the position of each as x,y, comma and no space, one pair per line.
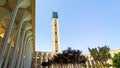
27,26
24,15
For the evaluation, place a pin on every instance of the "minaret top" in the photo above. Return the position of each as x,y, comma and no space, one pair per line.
55,15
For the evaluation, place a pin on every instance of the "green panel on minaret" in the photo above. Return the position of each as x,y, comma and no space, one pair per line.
54,15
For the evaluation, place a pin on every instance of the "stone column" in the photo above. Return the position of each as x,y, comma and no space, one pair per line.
46,58
21,48
26,62
23,55
26,65
25,59
41,58
22,58
8,31
30,56
16,44
8,55
23,52
36,61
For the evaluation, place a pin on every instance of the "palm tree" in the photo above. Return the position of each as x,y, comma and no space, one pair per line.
100,54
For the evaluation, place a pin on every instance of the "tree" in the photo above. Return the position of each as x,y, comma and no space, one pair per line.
44,64
68,56
104,54
74,56
100,54
116,60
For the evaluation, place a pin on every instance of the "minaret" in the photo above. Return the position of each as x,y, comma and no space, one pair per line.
55,32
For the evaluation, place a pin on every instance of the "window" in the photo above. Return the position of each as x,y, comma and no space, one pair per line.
56,50
55,24
55,41
55,32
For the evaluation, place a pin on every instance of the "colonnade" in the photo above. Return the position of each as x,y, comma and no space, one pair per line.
17,33
39,57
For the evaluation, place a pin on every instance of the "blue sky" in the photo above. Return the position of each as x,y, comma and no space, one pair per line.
82,23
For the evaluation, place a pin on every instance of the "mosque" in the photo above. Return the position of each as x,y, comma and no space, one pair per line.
43,56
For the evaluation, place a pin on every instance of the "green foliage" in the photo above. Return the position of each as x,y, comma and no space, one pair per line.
116,60
104,54
94,53
98,65
100,54
108,65
84,65
68,56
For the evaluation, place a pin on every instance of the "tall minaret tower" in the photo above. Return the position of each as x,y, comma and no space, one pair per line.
55,32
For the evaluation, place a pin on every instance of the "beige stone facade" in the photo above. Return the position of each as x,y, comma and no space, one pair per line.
41,56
